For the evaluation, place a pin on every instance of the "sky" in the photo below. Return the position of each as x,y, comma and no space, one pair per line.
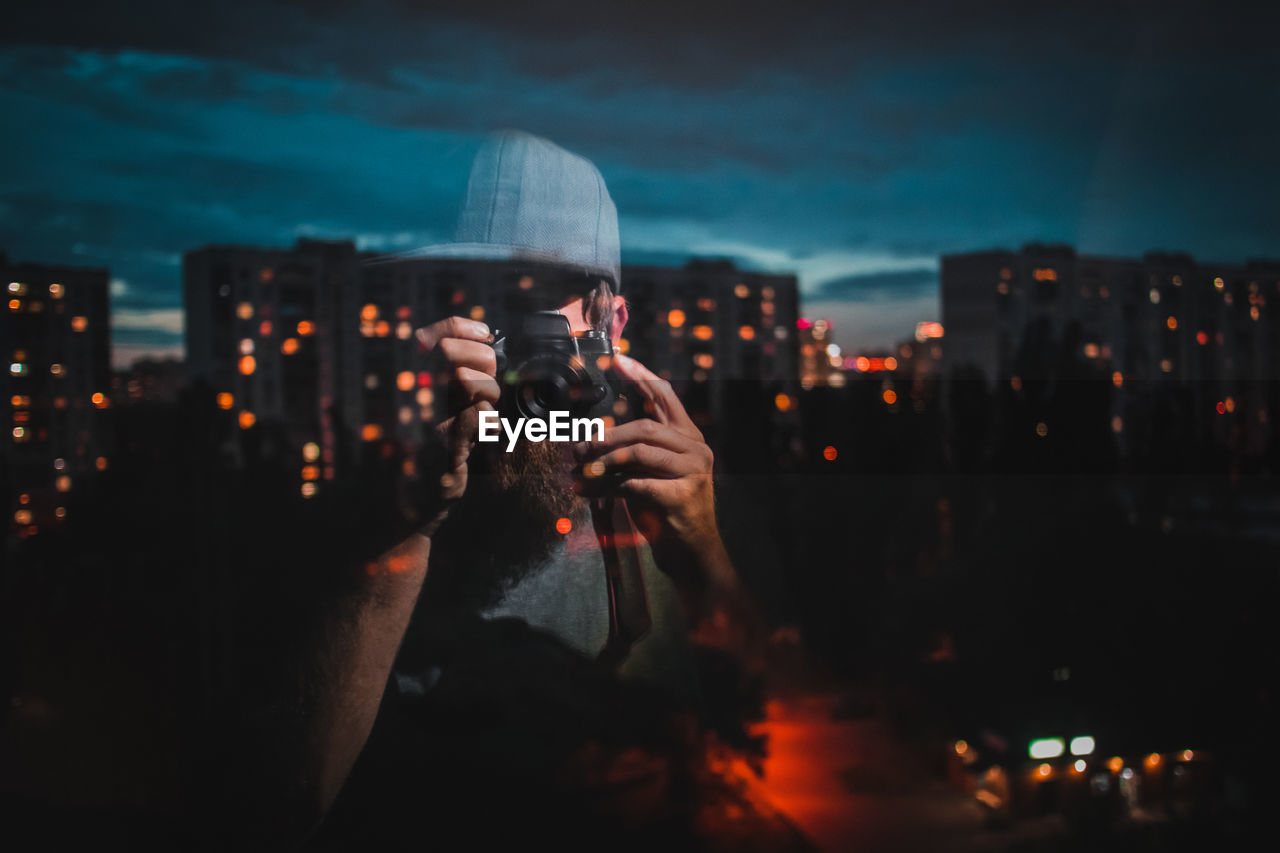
851,144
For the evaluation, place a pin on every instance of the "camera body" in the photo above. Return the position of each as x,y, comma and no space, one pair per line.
544,367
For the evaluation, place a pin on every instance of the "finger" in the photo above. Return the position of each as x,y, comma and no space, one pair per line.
667,406
463,432
475,386
467,353
643,431
429,337
647,461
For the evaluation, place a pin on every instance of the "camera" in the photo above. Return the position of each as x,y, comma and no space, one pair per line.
543,367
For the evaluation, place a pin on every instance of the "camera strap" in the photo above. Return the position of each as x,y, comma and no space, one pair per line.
629,618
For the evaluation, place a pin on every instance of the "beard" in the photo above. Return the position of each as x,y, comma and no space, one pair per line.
504,526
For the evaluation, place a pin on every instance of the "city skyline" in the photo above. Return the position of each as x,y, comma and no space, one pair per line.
851,146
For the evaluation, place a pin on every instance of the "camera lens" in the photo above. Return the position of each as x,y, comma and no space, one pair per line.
547,384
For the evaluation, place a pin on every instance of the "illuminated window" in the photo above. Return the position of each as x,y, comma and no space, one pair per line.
79,323
244,310
675,318
63,483
747,333
226,401
741,291
703,333
306,327
289,346
1046,274
248,365
704,360
405,380
247,419
371,432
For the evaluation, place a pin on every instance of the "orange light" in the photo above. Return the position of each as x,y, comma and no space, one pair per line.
101,463
369,312
1202,338
1153,760
1044,770
563,526
1045,274
1187,755
405,380
382,329
890,396
226,401
890,363
100,400
829,453
308,489
747,333
306,327
15,304
675,318
371,432
264,328
247,419
244,310
311,451
526,282
741,291
783,402
63,483
624,346
24,499
1117,379
79,324
290,346
1042,429
477,312
862,364
248,365
1116,764
1230,403
705,360
310,472
1172,322
703,333
961,747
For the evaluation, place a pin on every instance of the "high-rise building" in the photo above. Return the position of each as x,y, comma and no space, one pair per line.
56,335
319,344
1145,324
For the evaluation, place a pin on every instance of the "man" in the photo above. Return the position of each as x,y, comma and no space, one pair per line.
530,578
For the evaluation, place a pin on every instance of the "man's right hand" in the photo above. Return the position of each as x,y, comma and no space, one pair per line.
469,361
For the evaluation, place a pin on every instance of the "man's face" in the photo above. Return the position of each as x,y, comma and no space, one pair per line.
507,519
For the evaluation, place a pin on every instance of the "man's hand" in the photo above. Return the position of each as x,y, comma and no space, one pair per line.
661,464
472,368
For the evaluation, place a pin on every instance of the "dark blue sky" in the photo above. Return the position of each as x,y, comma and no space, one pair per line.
851,145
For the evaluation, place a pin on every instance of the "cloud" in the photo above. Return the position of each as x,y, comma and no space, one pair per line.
150,320
885,286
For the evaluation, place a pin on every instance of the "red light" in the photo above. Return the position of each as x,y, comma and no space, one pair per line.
1202,338
862,363
1222,408
802,323
563,526
877,364
424,379
829,453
